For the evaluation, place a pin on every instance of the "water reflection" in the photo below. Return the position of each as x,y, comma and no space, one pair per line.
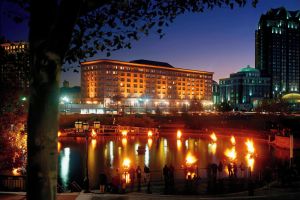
64,167
107,154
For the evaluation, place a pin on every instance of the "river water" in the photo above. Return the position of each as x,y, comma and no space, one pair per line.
106,154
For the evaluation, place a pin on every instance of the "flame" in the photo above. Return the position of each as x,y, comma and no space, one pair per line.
124,132
213,137
231,153
232,140
179,134
150,133
93,134
212,148
124,141
150,141
58,134
16,171
126,163
250,146
94,143
179,144
190,159
250,161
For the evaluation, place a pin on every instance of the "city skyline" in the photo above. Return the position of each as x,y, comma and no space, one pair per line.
193,41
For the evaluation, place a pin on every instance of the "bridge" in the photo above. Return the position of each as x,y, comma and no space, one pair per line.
112,130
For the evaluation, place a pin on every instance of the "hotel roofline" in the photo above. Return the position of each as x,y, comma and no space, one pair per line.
143,65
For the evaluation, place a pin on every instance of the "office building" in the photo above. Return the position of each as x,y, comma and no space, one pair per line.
243,90
14,71
277,50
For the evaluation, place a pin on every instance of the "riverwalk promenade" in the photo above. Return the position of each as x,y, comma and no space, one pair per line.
271,191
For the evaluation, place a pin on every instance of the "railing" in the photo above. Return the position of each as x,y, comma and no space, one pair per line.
12,183
110,129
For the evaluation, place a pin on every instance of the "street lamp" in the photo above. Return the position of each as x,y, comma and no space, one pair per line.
85,127
65,100
78,125
97,125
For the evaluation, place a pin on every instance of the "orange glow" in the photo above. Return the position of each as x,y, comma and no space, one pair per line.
94,143
58,134
150,141
250,161
179,134
93,134
124,132
179,144
58,146
231,153
213,137
126,163
150,133
232,140
212,148
124,141
16,171
190,175
190,159
250,146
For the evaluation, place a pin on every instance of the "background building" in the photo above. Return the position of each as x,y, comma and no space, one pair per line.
215,93
142,84
277,50
244,88
14,66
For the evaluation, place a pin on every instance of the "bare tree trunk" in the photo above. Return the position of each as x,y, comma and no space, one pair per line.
51,25
42,129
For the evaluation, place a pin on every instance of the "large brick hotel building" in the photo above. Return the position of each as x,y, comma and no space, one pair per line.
142,83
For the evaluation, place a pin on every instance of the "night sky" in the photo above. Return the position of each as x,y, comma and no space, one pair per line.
221,40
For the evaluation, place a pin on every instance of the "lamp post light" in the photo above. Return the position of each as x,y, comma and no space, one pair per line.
78,126
97,125
65,100
85,127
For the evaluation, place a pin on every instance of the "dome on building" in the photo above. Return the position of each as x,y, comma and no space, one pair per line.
292,97
249,69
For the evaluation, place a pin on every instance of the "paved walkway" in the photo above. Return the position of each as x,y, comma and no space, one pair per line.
274,192
22,196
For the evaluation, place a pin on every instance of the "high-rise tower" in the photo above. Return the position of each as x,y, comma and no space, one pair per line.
277,50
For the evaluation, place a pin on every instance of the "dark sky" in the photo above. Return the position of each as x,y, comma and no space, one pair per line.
221,40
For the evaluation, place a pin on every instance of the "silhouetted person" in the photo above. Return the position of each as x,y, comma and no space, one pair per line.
214,168
235,169
220,169
139,177
116,182
243,167
166,176
147,178
230,169
132,177
102,182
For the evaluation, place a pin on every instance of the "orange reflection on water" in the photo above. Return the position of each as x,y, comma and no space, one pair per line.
124,141
231,153
150,141
58,146
212,148
94,143
250,161
213,137
179,134
232,140
179,145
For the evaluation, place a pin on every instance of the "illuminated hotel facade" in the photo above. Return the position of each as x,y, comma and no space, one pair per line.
143,83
